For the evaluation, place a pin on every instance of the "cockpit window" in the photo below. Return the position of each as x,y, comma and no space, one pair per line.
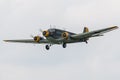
52,30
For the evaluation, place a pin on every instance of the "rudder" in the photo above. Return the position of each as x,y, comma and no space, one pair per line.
85,30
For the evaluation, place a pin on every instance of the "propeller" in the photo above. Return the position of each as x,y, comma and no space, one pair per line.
50,26
54,26
64,28
31,36
40,30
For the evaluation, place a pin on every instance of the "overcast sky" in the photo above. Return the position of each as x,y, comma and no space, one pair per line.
97,60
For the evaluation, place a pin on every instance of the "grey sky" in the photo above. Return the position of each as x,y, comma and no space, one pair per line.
98,60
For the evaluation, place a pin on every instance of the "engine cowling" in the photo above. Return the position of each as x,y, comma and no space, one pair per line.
65,35
37,38
46,33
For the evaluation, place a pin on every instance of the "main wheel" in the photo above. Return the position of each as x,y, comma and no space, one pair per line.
64,45
47,47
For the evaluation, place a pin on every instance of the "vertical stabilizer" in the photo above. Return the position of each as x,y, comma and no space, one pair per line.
85,30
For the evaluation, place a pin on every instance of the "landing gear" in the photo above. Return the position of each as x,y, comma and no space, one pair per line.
47,47
86,42
64,45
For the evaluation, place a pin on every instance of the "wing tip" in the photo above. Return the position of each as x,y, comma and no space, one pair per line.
5,40
115,27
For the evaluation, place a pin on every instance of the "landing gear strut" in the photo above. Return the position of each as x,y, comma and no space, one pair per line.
64,45
86,42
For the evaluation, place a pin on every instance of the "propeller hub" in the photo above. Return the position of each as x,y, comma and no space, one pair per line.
65,35
37,38
46,33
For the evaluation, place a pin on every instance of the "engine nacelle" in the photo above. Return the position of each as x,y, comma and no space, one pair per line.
37,38
46,33
65,35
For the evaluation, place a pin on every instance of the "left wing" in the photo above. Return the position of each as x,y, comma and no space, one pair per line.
93,33
28,41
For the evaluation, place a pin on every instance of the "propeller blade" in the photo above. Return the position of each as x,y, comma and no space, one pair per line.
41,30
32,36
50,26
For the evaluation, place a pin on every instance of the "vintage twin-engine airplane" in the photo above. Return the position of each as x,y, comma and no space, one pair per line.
57,36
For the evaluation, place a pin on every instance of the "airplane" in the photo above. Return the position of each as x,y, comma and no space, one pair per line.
54,36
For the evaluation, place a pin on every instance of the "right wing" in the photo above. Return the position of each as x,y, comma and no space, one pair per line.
93,33
28,41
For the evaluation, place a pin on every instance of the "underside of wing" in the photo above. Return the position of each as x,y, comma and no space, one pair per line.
27,41
93,33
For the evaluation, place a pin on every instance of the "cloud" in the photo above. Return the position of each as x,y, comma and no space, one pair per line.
94,13
93,68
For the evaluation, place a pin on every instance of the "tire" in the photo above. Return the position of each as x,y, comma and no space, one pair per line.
47,47
64,45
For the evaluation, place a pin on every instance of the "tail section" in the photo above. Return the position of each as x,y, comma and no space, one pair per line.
85,30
